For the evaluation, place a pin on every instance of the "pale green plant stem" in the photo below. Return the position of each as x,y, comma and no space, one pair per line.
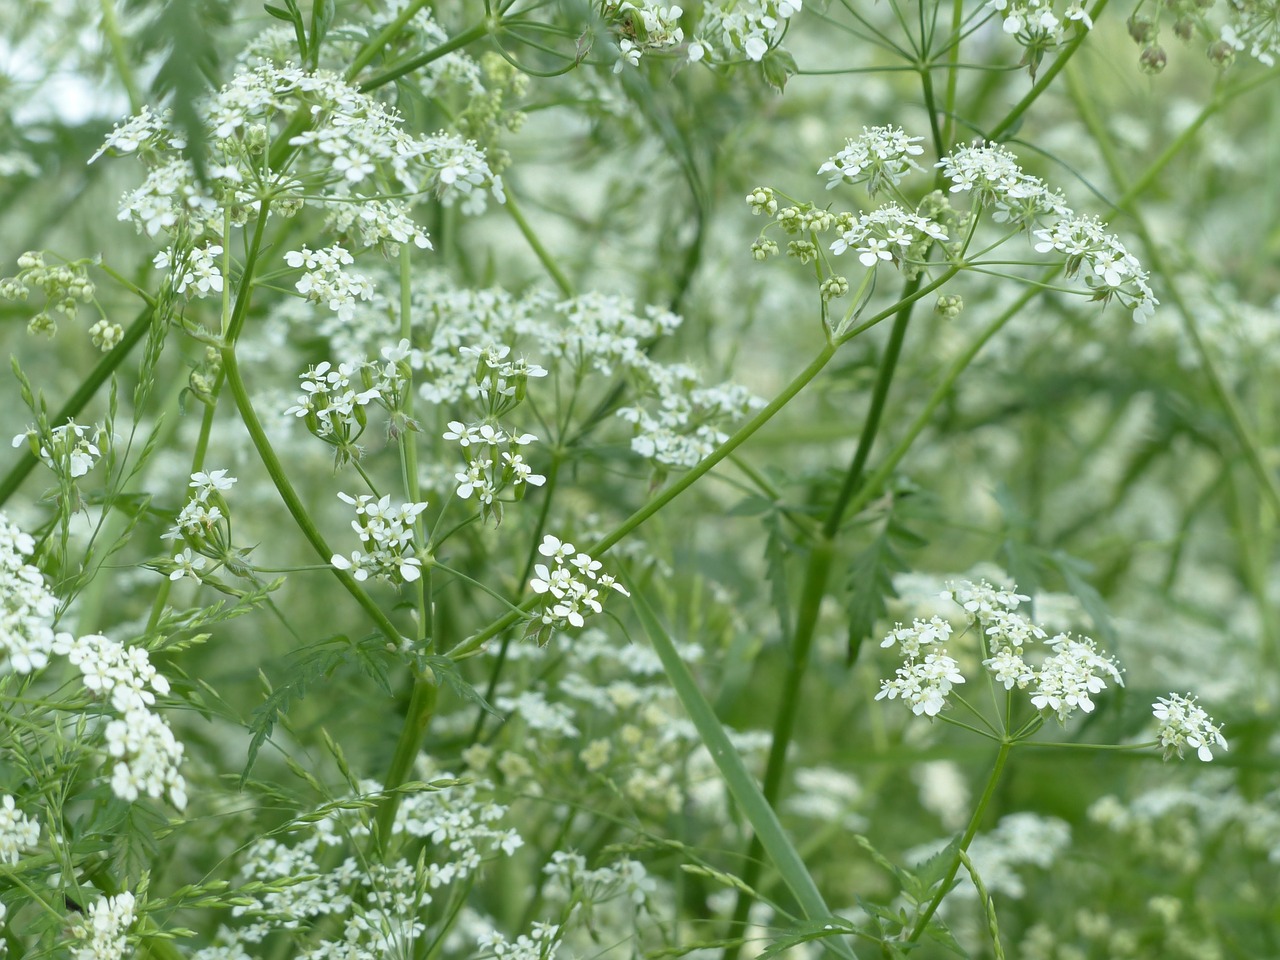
384,36
544,257
290,497
970,832
953,73
120,55
741,785
467,37
409,445
1268,484
1045,79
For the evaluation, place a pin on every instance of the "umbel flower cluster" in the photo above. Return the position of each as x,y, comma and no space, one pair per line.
570,587
1060,673
352,160
118,684
904,233
477,355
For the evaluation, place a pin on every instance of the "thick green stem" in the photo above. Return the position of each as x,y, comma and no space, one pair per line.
380,40
290,497
422,707
974,822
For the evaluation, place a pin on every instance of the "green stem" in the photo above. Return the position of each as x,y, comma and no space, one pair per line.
290,497
974,822
953,72
409,442
422,706
1267,482
78,400
474,643
467,37
817,574
119,54
380,40
544,257
1011,119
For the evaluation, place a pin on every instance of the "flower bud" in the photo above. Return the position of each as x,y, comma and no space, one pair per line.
1152,60
1141,29
1221,54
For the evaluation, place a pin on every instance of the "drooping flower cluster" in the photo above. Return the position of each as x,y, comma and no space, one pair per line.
18,832
1037,26
146,751
333,406
1183,722
721,32
386,531
70,449
570,587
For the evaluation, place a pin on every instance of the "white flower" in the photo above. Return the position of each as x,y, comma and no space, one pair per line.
18,832
1183,722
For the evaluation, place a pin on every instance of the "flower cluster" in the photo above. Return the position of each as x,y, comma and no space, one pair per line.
353,151
146,751
333,406
386,530
685,423
1182,722
643,27
881,155
203,524
65,287
1036,26
991,176
488,472
26,605
70,449
18,832
722,32
195,272
928,673
1069,672
570,587
888,233
104,932
1110,270
325,280
383,905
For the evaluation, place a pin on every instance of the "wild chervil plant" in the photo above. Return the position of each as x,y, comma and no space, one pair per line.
434,528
